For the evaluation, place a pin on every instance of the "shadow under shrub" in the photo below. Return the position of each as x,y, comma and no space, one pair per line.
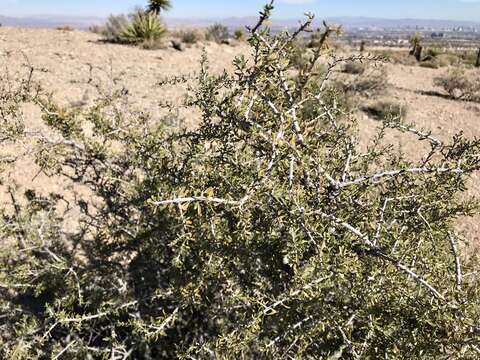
384,110
264,233
354,68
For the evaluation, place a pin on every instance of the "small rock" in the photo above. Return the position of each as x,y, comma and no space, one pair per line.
178,45
457,93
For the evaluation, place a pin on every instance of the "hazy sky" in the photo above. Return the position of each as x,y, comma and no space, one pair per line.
430,9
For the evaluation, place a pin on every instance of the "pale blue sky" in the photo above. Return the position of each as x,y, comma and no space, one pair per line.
430,9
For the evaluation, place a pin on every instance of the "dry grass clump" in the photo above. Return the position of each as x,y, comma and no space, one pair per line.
431,54
401,57
65,28
114,28
385,110
448,59
467,57
191,36
153,44
459,86
96,29
433,58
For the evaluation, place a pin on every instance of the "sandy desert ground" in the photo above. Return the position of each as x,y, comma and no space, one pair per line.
71,62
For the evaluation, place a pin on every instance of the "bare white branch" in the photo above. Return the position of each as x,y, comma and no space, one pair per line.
458,267
192,199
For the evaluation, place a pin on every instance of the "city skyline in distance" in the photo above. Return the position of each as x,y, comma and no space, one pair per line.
459,10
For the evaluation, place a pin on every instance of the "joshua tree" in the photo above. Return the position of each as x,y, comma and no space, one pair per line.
415,42
362,45
477,64
418,52
157,6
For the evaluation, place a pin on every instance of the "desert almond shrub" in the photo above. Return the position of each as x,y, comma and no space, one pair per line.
265,233
217,33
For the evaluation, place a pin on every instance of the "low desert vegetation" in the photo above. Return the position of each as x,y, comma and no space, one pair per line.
459,86
114,28
266,232
239,35
417,48
217,33
191,36
143,26
433,57
398,56
65,28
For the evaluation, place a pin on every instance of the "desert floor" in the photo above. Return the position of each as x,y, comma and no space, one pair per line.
71,64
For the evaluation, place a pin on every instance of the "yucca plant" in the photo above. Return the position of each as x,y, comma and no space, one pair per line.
416,43
144,26
415,40
157,6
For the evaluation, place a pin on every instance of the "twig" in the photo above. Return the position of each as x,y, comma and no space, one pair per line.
420,134
64,350
264,15
192,199
458,267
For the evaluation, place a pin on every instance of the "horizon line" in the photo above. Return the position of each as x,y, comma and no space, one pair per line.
34,16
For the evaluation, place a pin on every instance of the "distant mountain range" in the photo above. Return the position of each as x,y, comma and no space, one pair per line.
49,21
